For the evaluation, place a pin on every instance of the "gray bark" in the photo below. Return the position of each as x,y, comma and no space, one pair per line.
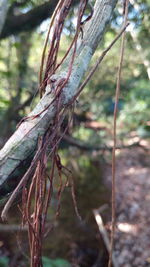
24,141
3,13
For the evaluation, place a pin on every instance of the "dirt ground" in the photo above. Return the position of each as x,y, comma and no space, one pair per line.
132,238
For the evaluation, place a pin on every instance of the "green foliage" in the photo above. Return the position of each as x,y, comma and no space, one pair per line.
55,263
135,113
144,131
4,261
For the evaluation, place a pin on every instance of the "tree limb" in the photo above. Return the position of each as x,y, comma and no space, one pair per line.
24,141
29,20
87,147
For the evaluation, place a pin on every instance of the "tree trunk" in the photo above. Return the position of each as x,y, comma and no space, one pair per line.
3,13
11,115
24,141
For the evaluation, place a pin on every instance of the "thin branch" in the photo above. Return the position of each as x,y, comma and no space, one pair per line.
12,228
86,146
46,41
115,138
104,234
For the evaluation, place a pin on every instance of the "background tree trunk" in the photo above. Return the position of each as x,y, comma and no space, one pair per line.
11,116
3,13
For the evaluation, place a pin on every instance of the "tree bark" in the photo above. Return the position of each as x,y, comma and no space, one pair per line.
3,13
23,142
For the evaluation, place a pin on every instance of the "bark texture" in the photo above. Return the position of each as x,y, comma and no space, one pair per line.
3,13
23,142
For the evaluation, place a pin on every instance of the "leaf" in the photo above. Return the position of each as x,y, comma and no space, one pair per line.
144,131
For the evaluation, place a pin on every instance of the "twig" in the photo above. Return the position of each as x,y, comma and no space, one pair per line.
115,138
12,228
46,41
104,234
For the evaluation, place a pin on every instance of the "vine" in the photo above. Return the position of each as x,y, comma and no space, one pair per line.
125,13
37,194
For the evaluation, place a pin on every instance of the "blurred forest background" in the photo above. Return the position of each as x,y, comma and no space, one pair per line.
86,148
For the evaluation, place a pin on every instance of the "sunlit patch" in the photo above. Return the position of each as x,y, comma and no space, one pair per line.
131,170
1,243
127,228
133,140
134,170
144,143
98,219
147,197
148,259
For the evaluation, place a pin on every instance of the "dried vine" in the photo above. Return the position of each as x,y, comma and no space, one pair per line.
41,187
125,13
37,195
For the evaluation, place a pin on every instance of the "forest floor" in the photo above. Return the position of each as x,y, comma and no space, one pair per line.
132,238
